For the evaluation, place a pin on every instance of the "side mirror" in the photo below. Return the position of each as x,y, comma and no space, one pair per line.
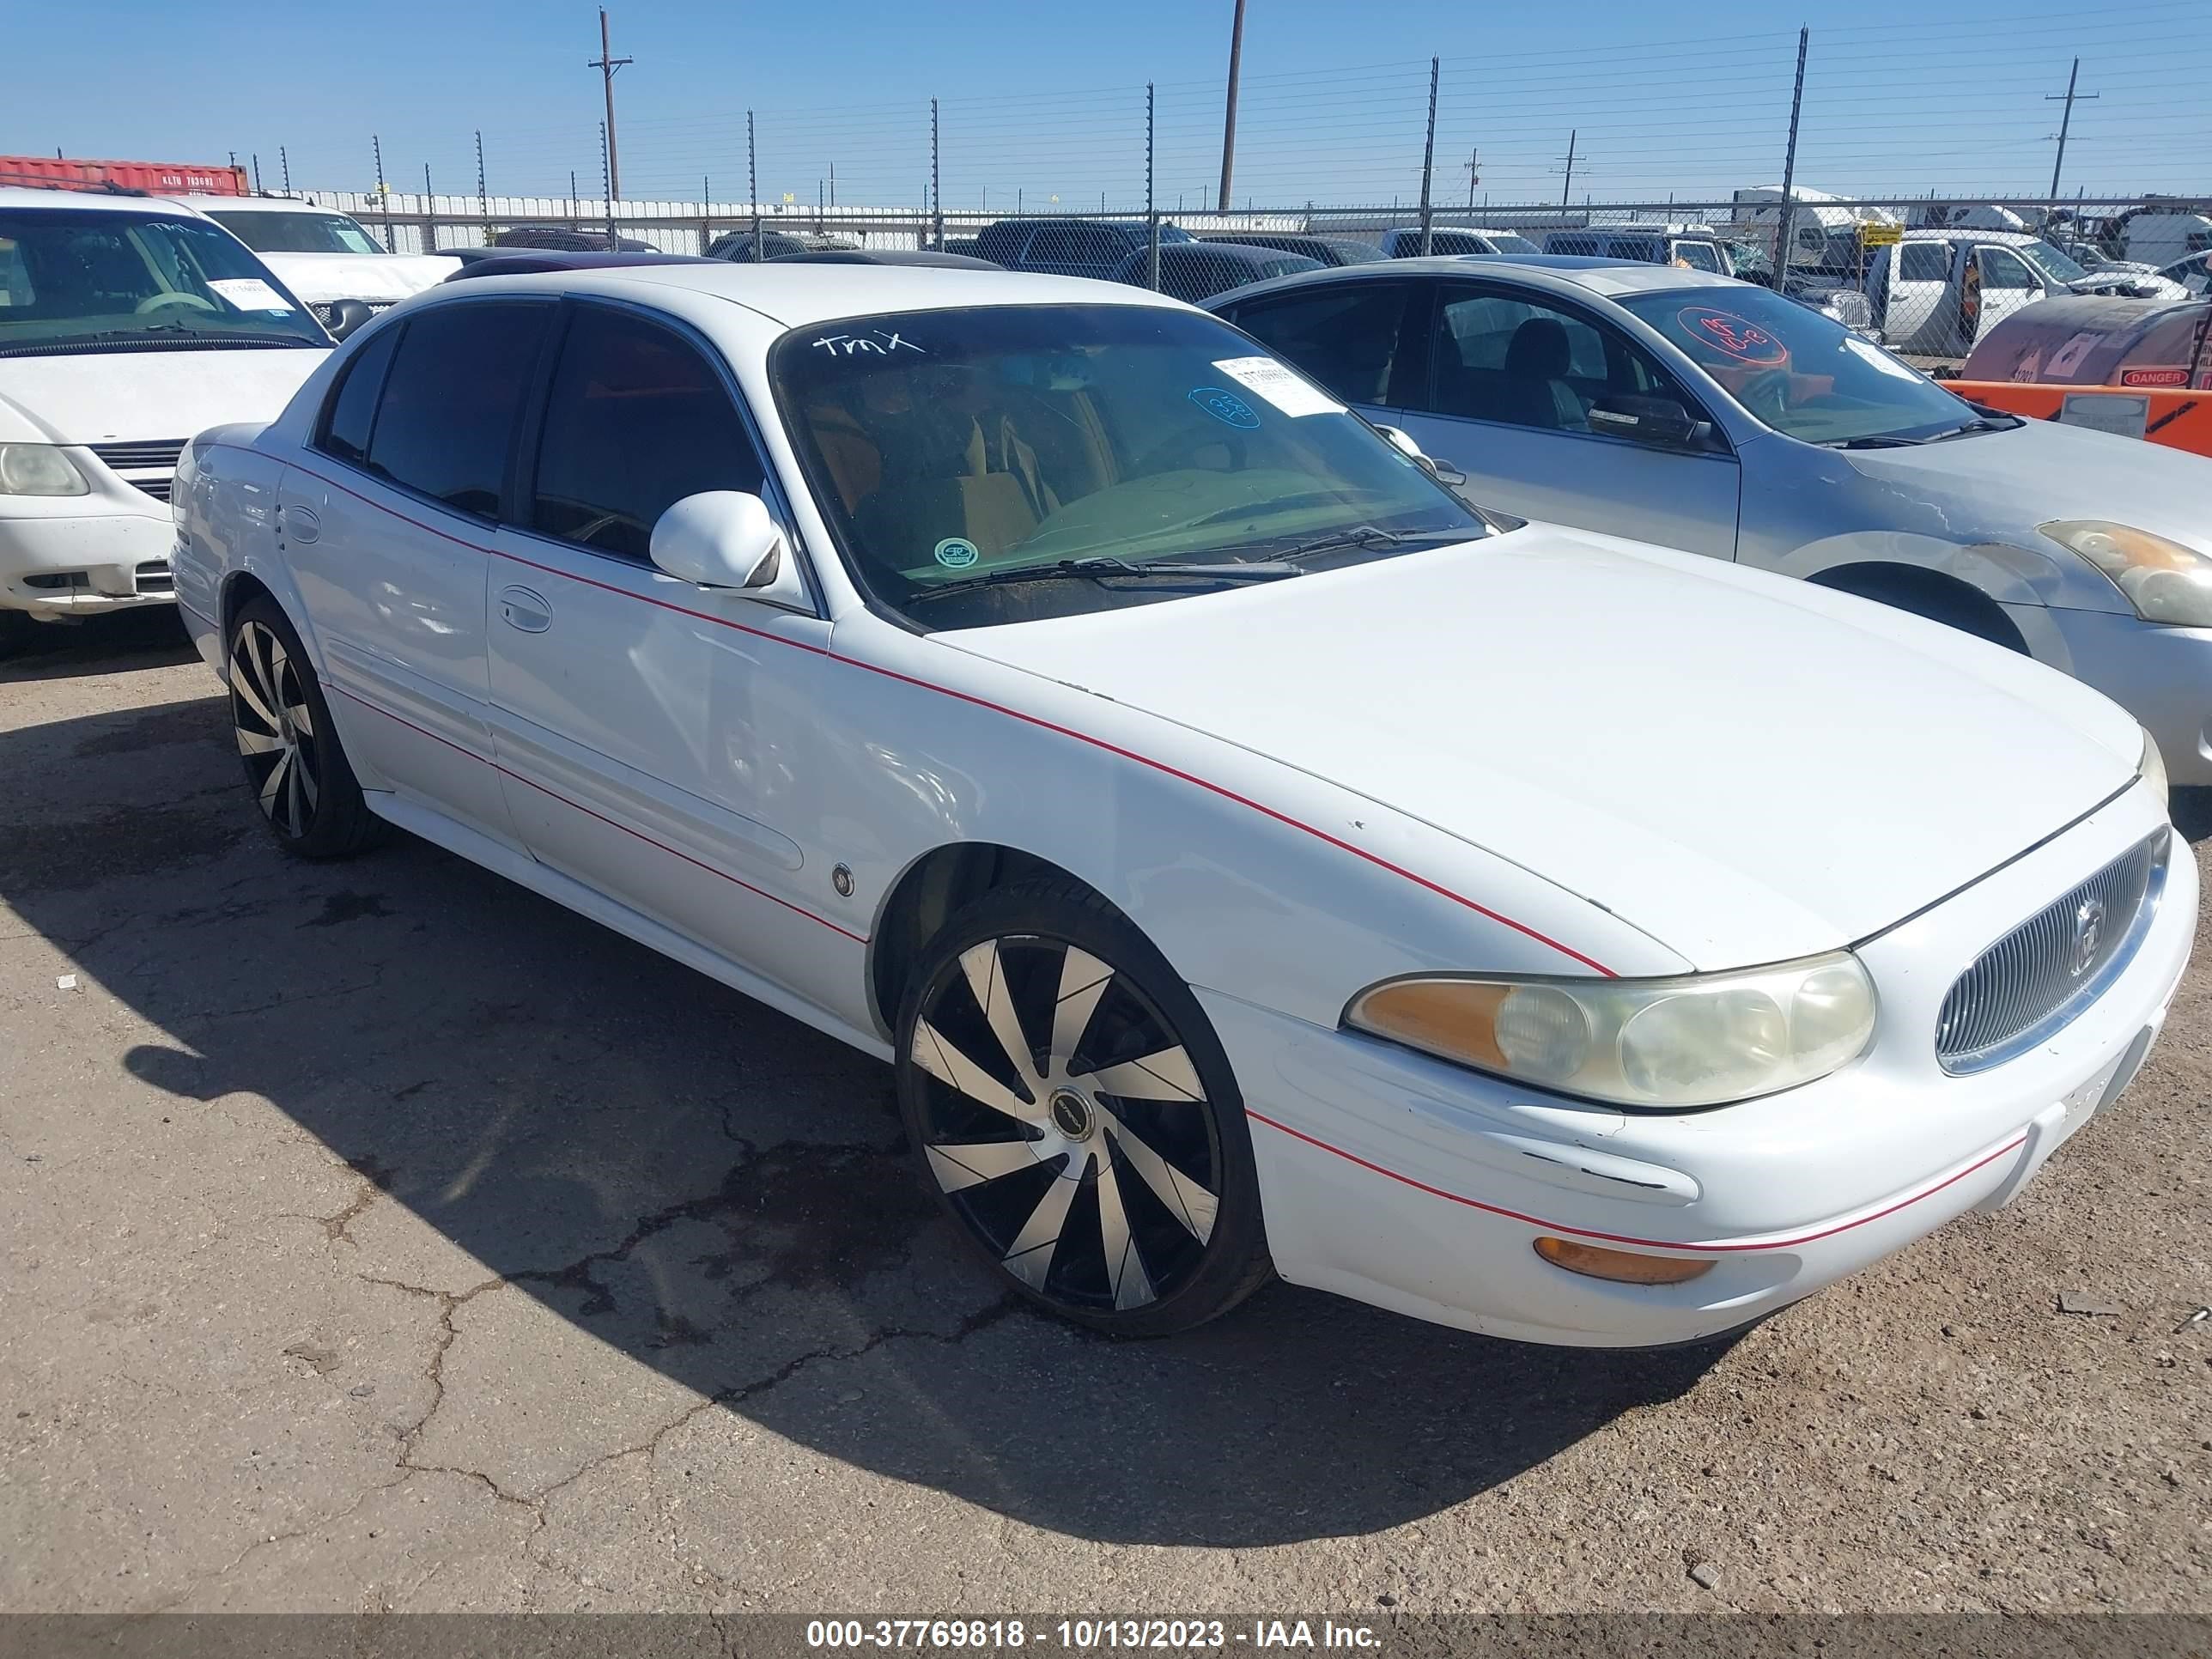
724,538
1402,440
1647,420
342,317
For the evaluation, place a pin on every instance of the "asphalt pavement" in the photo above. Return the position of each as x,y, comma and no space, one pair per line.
380,1235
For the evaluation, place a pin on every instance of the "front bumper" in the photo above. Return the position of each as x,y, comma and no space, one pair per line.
1421,1186
2160,675
57,564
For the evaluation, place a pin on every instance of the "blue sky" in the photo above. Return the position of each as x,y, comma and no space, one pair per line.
1044,101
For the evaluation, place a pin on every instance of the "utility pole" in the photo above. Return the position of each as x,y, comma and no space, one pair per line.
256,172
1429,163
1228,116
2066,121
752,189
936,179
483,202
1785,239
285,162
1473,166
383,192
606,62
1572,135
429,214
1151,208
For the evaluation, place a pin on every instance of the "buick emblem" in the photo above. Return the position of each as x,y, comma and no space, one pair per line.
2088,930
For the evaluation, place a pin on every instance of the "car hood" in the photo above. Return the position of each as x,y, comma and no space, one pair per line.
97,397
2143,284
2005,484
315,278
1746,768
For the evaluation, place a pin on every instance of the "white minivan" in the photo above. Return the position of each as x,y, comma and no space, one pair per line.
126,324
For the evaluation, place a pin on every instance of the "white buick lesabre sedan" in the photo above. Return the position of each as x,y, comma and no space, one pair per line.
1252,858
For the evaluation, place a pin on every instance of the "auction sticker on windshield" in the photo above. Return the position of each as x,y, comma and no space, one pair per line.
1739,337
248,292
1289,391
957,553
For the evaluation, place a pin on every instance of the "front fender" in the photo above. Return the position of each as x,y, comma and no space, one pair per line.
1254,880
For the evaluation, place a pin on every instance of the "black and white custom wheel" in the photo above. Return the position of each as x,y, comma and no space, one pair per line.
294,762
1073,1109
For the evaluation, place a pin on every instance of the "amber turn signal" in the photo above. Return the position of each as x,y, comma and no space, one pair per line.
1622,1265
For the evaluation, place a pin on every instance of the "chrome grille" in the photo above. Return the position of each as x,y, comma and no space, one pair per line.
2044,973
151,454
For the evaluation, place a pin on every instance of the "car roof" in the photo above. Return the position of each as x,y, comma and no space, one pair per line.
800,293
1964,233
1558,272
89,201
259,203
527,261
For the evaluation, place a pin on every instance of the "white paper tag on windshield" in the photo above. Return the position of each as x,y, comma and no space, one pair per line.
248,292
1288,390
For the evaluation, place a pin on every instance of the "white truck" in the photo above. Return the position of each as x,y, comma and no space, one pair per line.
329,260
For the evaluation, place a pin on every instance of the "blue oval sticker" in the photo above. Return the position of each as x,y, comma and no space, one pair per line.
1226,407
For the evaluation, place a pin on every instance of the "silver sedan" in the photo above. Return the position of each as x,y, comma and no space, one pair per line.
1715,415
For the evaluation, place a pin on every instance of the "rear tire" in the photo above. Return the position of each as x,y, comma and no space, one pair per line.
294,764
1070,1105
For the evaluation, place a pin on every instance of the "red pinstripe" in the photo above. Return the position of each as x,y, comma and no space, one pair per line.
1628,1239
1225,794
485,760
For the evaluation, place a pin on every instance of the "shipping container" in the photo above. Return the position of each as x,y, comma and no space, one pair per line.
153,178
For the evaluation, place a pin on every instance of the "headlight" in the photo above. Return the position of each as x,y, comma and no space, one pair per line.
1701,1040
2164,581
38,469
2153,769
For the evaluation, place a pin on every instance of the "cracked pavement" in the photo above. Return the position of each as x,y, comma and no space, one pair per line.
378,1235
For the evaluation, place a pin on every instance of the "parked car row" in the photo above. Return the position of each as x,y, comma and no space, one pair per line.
1592,1023
1254,856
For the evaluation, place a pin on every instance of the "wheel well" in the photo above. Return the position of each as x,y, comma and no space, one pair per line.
235,592
935,888
1928,593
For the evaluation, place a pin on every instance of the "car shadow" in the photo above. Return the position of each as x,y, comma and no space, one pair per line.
714,1190
150,637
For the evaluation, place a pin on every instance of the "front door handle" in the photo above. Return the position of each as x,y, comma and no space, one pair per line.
526,609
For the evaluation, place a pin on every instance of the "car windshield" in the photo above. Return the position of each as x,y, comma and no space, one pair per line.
72,280
1797,370
949,445
2050,261
267,230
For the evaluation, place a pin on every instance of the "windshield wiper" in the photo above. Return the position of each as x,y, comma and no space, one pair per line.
1103,567
1990,420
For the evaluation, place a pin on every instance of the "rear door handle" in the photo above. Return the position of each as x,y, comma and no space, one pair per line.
526,609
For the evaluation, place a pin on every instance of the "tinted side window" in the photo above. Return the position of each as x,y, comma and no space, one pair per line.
636,420
352,410
1632,247
1925,262
2003,269
1503,358
451,400
1345,337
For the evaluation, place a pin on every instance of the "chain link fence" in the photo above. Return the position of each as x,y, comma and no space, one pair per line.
1927,276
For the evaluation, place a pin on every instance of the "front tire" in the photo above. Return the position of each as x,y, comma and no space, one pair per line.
1075,1114
295,763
